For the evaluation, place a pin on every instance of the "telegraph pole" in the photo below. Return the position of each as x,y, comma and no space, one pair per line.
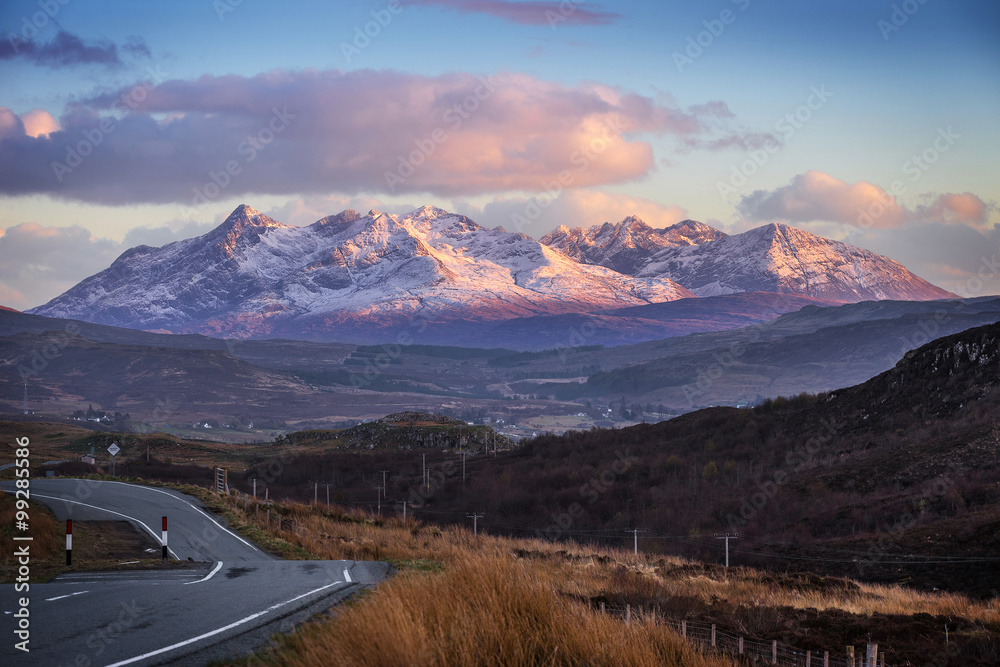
475,518
463,468
635,539
727,537
380,489
25,397
425,470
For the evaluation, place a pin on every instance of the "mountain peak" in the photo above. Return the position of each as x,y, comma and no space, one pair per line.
245,217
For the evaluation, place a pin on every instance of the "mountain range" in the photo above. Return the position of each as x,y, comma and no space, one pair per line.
369,277
772,258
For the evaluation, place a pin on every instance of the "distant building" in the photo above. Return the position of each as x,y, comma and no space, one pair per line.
88,459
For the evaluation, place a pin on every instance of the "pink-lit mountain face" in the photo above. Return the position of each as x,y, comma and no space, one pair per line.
773,258
253,276
367,277
627,245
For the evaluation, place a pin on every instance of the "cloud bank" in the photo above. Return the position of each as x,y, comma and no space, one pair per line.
364,131
819,197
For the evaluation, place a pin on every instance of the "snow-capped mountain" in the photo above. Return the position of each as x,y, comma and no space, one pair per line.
253,276
783,259
627,245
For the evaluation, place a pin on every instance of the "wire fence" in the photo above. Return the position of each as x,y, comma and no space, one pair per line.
754,651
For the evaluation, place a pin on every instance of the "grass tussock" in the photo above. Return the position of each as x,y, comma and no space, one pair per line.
483,611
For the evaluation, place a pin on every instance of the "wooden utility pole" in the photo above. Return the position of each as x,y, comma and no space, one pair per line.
635,539
463,468
380,489
727,537
475,518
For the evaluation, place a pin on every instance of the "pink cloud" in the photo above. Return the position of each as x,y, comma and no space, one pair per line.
532,12
39,123
364,131
816,196
953,208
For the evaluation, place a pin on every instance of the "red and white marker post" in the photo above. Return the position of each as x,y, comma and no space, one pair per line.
164,539
69,542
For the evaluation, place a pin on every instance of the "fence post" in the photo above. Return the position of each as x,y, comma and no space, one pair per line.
774,652
628,614
741,645
871,655
602,608
826,659
809,658
882,660
713,635
850,656
684,629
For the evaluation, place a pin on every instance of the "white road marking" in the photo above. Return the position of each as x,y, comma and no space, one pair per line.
347,576
210,574
102,509
222,629
196,509
60,597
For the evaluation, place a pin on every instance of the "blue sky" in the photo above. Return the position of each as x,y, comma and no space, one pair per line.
677,129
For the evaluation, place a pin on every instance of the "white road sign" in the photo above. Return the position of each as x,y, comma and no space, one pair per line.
114,448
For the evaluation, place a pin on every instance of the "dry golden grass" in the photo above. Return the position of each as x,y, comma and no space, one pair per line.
498,600
482,611
46,545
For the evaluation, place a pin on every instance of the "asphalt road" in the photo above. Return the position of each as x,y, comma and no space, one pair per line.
225,606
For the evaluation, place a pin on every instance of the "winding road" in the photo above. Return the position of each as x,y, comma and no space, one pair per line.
227,604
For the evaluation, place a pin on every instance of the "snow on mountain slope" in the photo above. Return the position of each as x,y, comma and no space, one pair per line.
779,258
627,245
253,276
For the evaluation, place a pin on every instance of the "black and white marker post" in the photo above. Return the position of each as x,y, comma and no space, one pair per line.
164,539
69,542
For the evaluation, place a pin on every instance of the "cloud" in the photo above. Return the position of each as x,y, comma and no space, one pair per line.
956,257
574,208
45,261
69,50
957,209
39,123
815,195
531,12
364,131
